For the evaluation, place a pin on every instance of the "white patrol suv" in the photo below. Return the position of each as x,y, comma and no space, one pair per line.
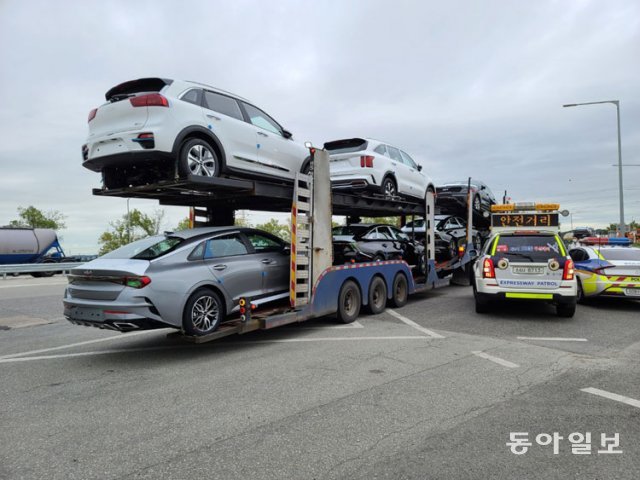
525,259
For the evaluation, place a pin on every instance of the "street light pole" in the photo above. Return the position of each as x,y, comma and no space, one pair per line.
623,227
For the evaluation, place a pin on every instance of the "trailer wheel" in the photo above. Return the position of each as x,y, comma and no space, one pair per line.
377,296
400,292
349,301
202,313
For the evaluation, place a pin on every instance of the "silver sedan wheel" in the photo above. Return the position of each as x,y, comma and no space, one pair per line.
205,313
201,161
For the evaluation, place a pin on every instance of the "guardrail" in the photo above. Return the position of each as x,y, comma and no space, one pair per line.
6,270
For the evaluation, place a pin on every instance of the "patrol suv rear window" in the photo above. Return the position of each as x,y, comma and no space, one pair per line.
528,248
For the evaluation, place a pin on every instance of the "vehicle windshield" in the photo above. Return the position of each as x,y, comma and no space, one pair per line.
147,248
528,248
349,230
628,254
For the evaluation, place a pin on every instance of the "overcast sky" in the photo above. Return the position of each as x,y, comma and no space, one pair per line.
468,88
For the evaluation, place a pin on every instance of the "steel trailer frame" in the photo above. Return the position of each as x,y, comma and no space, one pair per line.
217,199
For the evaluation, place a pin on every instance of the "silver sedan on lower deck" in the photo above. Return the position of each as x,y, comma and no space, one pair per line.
189,280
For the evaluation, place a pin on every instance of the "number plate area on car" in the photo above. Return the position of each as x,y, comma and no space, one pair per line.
528,270
87,313
632,292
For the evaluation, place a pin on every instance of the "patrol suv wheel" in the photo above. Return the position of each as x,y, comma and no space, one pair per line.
581,298
566,310
482,304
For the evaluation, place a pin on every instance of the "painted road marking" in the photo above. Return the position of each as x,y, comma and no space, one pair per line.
15,359
413,324
499,361
554,339
355,324
71,345
612,396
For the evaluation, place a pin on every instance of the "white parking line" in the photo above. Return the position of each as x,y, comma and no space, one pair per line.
612,396
413,324
554,339
15,359
499,361
122,336
348,326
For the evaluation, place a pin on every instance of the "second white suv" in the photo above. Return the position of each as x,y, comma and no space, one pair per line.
154,129
359,163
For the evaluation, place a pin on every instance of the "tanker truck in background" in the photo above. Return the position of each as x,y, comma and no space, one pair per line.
31,245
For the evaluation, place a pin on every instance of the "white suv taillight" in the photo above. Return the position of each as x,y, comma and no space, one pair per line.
366,161
149,100
92,114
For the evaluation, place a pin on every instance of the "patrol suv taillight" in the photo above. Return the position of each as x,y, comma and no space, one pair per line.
488,270
569,271
149,100
92,114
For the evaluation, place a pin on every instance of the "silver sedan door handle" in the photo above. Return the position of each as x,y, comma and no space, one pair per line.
263,134
212,116
220,267
268,261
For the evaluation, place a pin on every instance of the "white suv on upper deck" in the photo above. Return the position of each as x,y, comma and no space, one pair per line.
364,163
154,129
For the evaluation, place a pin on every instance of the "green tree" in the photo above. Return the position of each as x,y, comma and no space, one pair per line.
276,228
129,228
35,218
183,224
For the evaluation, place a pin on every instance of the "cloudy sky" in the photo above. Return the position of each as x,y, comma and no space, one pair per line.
468,88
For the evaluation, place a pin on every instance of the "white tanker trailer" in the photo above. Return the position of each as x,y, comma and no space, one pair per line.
30,245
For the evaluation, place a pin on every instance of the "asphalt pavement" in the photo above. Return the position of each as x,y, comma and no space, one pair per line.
432,390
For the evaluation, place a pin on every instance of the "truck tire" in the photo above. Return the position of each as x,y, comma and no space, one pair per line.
377,296
202,313
400,291
349,301
44,274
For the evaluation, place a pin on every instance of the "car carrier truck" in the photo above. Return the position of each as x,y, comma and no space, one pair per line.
317,286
